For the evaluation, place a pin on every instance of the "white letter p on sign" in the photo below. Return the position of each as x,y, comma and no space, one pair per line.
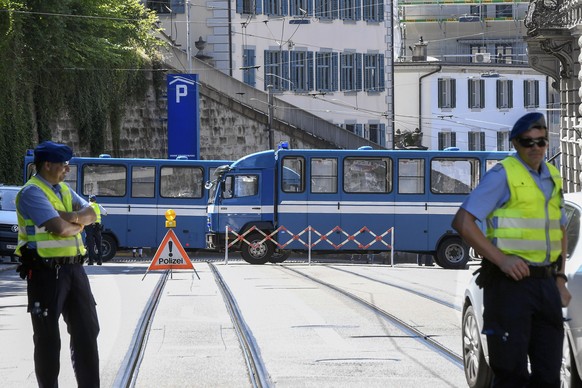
181,91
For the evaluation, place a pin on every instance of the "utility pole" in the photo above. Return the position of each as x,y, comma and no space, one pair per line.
270,116
188,44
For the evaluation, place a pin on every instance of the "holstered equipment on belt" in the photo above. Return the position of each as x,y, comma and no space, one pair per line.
489,271
486,273
31,260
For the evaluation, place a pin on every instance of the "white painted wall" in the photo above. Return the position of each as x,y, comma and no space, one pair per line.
460,119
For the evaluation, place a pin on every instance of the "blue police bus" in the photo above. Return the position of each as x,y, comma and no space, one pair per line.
136,194
348,200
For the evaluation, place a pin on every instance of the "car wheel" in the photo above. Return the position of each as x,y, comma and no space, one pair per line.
569,373
256,252
453,253
477,371
108,247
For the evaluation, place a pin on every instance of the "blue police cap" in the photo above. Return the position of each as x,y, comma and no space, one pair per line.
48,151
527,122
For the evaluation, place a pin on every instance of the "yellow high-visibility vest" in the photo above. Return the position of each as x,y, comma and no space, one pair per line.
524,227
97,211
47,244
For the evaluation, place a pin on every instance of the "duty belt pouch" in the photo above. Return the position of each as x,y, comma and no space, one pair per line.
27,262
486,273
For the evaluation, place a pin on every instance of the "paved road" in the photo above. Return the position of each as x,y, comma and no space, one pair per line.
192,342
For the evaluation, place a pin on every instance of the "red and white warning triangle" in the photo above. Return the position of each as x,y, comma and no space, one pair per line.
170,254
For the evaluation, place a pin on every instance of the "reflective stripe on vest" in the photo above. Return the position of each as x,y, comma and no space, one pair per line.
97,211
520,227
47,244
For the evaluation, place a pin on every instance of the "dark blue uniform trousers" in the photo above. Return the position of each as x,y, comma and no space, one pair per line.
524,318
94,241
64,290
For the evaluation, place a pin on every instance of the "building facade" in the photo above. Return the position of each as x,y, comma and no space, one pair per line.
465,31
470,107
330,58
460,70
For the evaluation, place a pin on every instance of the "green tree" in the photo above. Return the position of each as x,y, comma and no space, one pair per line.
80,58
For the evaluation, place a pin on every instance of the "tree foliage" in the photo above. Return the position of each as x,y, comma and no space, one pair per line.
81,58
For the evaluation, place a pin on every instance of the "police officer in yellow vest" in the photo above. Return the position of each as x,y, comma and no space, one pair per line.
51,217
522,275
93,232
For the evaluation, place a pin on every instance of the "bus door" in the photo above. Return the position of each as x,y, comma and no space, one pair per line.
182,189
411,205
323,202
240,203
292,202
367,201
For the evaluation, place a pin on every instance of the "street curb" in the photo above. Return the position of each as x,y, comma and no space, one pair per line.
8,267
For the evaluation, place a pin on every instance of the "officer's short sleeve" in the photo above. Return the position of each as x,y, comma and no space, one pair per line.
491,193
78,201
34,204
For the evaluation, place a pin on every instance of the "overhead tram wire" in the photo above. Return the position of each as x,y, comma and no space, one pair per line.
246,36
303,44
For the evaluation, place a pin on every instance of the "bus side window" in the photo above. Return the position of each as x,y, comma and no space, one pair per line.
181,182
293,173
143,181
365,175
411,176
324,175
71,177
246,185
104,180
453,176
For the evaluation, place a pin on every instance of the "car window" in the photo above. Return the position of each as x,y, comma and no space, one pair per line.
8,199
573,227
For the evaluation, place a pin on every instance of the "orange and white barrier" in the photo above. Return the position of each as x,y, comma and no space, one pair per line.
321,239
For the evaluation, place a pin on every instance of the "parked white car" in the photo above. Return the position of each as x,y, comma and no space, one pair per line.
475,355
8,220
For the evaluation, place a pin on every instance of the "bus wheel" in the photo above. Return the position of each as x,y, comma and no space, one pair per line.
279,257
256,252
453,253
108,247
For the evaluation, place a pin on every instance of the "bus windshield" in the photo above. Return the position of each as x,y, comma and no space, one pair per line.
212,185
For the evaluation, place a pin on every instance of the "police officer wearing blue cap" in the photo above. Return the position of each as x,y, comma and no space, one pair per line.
93,236
51,217
522,273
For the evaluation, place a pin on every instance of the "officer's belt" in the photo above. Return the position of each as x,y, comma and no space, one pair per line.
546,271
54,261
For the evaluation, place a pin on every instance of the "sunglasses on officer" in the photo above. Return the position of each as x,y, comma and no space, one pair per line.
529,142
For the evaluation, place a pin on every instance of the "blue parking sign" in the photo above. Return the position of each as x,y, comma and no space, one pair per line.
183,116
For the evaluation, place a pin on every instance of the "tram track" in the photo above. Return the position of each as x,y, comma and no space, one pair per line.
128,372
127,375
407,328
232,290
400,287
256,367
